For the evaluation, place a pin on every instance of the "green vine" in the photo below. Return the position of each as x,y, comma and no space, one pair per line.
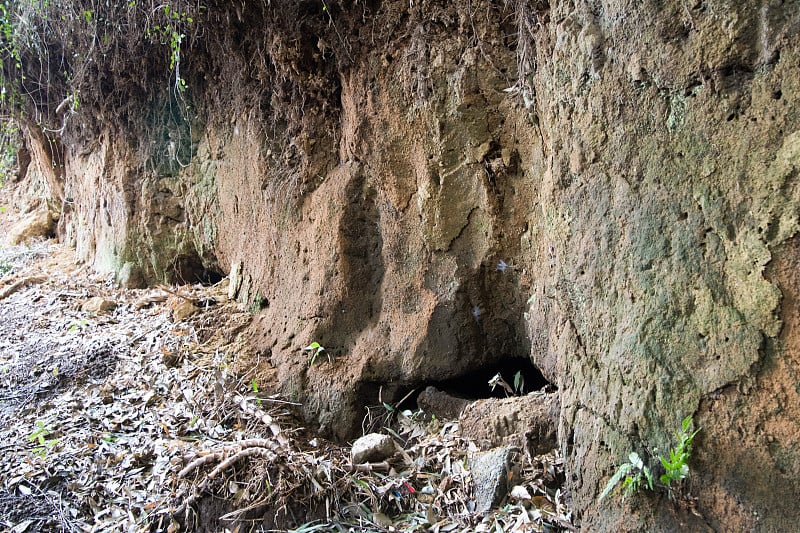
170,34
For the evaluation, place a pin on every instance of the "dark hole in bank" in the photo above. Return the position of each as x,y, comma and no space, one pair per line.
375,396
475,385
190,270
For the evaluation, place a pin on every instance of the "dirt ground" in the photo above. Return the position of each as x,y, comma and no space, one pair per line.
119,417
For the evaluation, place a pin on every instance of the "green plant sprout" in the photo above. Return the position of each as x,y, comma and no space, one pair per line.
254,386
518,388
38,435
316,349
638,475
676,468
77,324
635,473
519,383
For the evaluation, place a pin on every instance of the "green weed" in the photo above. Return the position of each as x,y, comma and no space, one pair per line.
38,436
676,467
316,349
254,386
169,34
75,325
635,475
519,384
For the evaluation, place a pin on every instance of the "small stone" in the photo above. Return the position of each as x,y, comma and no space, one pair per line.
371,448
98,305
183,309
491,475
520,493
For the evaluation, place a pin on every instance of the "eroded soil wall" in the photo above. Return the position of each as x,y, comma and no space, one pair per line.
607,188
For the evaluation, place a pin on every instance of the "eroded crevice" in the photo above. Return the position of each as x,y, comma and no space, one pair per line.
510,377
517,376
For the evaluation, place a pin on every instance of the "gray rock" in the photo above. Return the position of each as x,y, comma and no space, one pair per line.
492,472
372,447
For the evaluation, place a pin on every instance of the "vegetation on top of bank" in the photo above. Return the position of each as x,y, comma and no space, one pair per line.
58,55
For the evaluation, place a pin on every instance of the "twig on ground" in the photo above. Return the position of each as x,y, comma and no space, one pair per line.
8,290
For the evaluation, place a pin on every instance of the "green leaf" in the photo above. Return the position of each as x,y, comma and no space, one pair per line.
615,479
519,382
649,476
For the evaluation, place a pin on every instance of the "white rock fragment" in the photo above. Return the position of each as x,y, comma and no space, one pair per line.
372,447
520,493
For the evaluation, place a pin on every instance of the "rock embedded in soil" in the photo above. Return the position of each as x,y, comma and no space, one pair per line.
440,404
37,224
372,447
183,309
492,473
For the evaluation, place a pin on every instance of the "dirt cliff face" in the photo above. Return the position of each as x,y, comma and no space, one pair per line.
672,149
607,189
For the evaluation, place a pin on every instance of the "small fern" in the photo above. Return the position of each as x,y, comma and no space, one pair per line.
635,475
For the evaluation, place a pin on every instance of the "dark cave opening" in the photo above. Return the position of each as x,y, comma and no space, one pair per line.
475,385
191,269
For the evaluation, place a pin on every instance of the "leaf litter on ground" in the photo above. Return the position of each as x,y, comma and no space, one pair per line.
127,421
